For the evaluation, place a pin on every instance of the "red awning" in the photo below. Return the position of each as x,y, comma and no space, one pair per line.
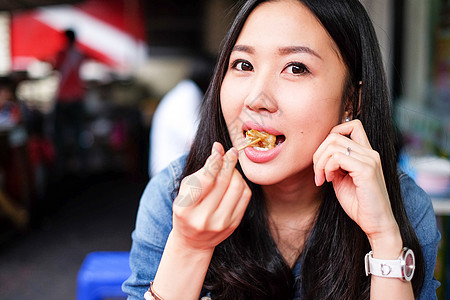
111,32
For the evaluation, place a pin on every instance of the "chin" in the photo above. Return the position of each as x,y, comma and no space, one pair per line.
262,175
276,171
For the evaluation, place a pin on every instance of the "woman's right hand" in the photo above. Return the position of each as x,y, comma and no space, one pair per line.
211,202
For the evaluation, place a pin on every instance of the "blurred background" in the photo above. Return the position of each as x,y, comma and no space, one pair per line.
85,84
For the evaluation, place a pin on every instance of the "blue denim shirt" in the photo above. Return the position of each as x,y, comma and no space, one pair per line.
154,223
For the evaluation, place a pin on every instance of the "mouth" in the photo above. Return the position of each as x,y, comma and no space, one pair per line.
262,141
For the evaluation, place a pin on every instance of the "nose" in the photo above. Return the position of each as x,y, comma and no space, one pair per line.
261,97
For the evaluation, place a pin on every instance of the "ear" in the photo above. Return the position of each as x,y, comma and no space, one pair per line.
352,105
348,109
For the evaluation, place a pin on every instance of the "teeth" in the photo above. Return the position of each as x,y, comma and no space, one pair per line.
261,149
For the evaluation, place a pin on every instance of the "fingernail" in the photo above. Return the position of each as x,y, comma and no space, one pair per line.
315,180
214,149
234,151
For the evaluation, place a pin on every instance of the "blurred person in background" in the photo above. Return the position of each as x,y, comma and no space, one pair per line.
41,156
9,110
14,181
176,118
68,111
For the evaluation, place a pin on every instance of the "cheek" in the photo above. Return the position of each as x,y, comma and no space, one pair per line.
225,104
312,116
314,104
323,116
230,101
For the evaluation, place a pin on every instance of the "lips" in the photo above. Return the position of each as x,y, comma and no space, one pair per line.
255,126
263,152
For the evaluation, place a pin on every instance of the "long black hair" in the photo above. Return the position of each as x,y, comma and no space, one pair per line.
248,265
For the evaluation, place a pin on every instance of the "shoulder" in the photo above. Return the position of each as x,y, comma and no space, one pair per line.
167,181
415,199
419,209
423,219
417,202
153,225
155,208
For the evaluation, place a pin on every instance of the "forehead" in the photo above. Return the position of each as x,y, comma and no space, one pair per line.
285,23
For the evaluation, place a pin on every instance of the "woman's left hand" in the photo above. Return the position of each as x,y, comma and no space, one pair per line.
346,159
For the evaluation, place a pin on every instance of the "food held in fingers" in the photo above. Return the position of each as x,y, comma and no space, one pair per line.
266,140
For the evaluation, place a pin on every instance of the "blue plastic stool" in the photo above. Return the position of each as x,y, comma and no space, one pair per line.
101,275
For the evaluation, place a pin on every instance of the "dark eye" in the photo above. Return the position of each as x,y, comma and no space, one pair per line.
242,65
296,68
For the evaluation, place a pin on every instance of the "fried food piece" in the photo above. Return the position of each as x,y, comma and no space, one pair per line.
267,140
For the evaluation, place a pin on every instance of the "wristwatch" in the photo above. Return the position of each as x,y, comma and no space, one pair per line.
402,268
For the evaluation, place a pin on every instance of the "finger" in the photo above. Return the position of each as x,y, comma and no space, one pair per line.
213,165
333,165
339,164
354,130
241,207
195,187
217,148
232,196
235,213
335,143
214,162
332,138
222,180
356,154
320,160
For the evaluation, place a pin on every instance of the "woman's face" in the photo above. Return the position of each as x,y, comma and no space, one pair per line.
285,77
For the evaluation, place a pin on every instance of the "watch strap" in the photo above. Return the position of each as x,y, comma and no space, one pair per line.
383,267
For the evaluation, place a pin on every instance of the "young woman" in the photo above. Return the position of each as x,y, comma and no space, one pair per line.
297,218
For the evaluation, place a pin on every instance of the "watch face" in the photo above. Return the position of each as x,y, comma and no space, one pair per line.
409,265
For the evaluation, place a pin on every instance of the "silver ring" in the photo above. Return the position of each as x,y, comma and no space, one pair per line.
348,151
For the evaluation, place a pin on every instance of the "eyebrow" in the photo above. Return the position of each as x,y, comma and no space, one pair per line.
282,50
298,49
243,48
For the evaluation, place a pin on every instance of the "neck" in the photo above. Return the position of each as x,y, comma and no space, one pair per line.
292,207
293,198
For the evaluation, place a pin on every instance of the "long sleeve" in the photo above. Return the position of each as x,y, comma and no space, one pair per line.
421,214
153,225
